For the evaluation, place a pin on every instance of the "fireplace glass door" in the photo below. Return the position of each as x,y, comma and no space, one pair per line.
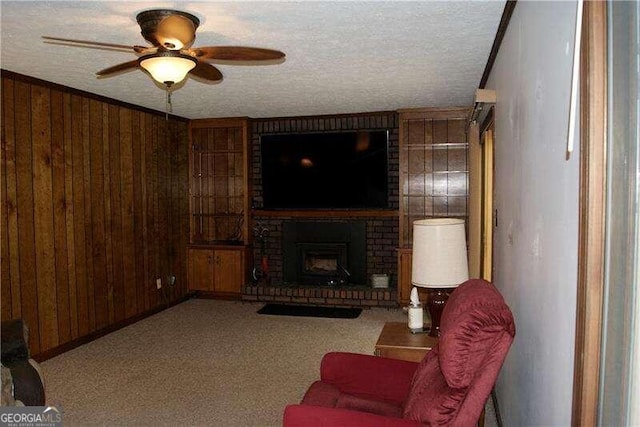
322,263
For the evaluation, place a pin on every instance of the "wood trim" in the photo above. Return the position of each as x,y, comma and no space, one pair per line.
502,29
215,246
322,117
434,113
227,122
405,258
66,89
590,293
475,199
486,225
486,96
325,213
228,296
403,166
247,195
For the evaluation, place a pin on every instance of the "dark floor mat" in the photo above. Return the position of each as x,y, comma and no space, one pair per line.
309,311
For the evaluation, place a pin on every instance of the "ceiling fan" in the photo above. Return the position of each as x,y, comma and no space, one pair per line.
171,56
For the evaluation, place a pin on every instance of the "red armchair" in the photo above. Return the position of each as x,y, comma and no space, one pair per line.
449,387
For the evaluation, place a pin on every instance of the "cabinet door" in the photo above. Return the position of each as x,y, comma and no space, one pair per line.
405,257
201,269
404,275
229,270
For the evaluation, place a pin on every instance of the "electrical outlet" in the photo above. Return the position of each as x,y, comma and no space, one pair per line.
159,283
171,280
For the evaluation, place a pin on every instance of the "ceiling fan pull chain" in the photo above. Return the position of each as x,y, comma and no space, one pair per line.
168,106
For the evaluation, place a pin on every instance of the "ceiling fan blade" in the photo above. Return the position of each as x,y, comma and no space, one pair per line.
236,53
112,49
117,68
88,43
175,32
206,71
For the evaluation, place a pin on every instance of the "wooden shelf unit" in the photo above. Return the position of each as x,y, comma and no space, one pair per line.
328,213
218,184
433,175
219,208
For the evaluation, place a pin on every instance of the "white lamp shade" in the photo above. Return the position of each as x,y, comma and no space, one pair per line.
172,68
439,253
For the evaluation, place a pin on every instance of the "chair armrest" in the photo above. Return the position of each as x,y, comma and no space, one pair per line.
312,416
368,376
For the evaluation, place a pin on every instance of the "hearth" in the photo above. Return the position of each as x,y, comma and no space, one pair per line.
324,253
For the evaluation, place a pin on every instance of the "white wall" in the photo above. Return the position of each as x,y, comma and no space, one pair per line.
536,241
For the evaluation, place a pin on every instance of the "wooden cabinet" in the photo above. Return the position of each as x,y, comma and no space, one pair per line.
218,270
405,256
433,175
228,271
219,181
200,269
404,275
219,206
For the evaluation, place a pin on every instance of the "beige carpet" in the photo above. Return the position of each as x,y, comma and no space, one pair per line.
203,362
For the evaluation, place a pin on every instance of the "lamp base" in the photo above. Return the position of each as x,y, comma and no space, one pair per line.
436,300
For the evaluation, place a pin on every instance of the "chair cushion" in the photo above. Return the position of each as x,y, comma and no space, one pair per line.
474,319
328,396
368,376
321,394
355,403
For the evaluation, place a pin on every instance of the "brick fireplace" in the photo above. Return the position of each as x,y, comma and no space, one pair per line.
379,230
324,253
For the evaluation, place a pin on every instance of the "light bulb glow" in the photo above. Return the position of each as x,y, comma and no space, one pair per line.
168,67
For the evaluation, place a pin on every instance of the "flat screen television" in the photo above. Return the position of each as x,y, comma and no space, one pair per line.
325,170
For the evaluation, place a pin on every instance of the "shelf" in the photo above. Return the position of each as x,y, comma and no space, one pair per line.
434,173
214,177
220,151
232,244
219,215
329,213
436,146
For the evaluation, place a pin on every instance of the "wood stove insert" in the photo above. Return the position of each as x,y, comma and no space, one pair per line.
324,253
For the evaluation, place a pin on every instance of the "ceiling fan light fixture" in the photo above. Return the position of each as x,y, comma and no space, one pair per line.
168,68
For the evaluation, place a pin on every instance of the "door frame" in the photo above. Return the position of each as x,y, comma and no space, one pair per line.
591,230
487,209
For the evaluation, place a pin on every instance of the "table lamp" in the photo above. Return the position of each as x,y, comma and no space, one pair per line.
439,262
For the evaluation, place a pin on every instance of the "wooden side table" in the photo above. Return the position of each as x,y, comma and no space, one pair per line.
397,342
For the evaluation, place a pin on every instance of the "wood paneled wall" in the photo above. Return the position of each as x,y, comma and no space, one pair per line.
94,210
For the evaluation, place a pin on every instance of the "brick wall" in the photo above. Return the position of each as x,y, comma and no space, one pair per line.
382,232
359,296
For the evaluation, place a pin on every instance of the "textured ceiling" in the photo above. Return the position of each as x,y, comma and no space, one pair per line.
342,57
